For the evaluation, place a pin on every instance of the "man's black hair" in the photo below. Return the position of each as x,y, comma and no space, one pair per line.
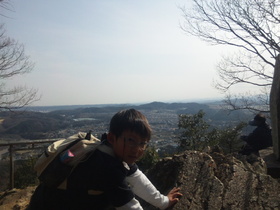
130,120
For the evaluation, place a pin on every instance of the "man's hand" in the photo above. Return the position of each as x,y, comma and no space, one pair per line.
174,196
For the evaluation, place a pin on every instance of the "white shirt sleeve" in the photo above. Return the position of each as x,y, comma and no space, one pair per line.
131,205
143,188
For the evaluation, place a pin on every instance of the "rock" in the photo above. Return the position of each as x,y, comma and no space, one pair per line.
16,199
217,181
272,164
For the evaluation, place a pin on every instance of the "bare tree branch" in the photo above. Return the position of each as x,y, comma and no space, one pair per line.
247,101
5,5
252,26
14,62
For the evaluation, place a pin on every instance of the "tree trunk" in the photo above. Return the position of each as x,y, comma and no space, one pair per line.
275,108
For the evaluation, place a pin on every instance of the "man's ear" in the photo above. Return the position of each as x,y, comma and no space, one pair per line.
111,137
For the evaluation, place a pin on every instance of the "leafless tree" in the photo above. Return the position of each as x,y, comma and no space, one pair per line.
13,62
252,27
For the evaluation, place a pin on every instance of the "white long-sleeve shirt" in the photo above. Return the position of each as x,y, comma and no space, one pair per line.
143,188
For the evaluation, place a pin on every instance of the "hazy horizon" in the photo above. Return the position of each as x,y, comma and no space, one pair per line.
205,100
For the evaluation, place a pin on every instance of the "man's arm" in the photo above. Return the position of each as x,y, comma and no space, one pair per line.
131,205
255,137
142,187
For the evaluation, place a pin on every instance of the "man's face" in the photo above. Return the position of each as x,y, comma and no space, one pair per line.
129,147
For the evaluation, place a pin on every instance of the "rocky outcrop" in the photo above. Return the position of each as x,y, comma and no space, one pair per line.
216,181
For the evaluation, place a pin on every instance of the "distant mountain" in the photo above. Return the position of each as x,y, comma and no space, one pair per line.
171,106
44,123
152,105
62,107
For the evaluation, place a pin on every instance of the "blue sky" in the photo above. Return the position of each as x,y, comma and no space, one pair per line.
100,52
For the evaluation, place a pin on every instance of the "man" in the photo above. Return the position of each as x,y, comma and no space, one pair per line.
109,177
260,138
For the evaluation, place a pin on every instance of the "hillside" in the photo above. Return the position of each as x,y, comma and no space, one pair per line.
65,122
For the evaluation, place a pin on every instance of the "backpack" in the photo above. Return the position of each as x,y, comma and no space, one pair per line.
62,156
